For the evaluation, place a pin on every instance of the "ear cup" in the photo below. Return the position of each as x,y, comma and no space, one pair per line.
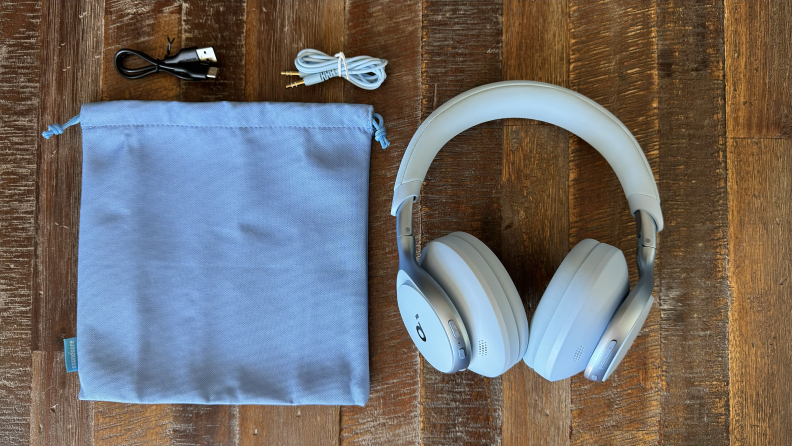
575,309
477,294
507,285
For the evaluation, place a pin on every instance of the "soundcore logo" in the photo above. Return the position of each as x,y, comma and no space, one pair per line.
420,331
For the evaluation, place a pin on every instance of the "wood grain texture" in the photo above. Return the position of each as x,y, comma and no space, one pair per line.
71,63
691,275
220,25
613,61
289,425
19,102
535,211
56,415
536,41
760,212
70,76
141,25
391,31
132,424
461,49
275,32
534,206
758,77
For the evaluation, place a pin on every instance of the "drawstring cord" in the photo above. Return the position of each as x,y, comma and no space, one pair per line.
57,129
380,135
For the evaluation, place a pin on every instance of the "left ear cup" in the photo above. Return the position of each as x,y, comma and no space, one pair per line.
506,283
478,296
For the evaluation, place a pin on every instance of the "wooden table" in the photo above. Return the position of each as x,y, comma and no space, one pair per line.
705,88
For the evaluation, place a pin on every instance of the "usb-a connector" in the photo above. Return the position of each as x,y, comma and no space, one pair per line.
206,54
193,54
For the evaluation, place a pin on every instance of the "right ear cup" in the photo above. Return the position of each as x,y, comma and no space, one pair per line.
575,309
470,281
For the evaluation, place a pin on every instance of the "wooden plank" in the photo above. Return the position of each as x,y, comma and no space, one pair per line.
132,424
691,275
535,211
289,425
220,25
19,102
757,105
391,31
613,61
71,51
534,205
71,63
275,32
760,193
758,48
143,26
57,416
461,49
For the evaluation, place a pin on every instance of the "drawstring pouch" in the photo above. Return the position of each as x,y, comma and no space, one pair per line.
223,252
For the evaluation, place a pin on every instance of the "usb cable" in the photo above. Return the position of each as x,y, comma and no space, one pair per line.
314,66
191,64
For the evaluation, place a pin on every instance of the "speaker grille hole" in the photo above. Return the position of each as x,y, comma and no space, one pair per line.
578,354
482,348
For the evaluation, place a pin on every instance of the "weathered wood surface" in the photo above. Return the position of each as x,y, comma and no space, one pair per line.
392,31
704,86
759,127
19,102
691,279
535,210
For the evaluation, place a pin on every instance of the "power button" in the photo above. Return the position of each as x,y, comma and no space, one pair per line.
461,353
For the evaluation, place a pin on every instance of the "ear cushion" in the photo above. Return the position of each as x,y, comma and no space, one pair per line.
481,302
507,285
575,309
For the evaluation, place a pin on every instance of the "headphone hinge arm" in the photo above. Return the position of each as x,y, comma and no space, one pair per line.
646,245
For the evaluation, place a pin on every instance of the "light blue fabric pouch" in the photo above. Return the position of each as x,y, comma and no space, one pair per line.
223,253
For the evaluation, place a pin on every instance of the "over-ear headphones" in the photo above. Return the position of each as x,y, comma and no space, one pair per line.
459,304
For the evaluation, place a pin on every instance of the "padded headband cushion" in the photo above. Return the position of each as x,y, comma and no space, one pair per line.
532,100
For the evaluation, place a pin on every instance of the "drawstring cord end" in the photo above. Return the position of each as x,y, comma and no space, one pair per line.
380,134
57,129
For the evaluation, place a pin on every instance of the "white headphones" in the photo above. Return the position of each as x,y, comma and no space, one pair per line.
459,304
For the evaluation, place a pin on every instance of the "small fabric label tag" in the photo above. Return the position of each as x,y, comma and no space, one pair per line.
70,353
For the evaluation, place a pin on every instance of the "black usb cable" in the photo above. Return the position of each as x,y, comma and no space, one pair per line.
191,64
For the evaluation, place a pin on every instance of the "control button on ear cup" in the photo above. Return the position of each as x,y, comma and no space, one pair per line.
507,285
475,292
426,330
582,313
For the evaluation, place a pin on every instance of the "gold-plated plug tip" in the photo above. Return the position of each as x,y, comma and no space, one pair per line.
290,73
295,84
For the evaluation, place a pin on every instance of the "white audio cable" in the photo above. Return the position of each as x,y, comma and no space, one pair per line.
314,66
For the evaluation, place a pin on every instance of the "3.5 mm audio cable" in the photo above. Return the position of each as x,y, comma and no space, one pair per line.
314,66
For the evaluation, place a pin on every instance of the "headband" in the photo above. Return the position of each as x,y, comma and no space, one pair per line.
532,100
